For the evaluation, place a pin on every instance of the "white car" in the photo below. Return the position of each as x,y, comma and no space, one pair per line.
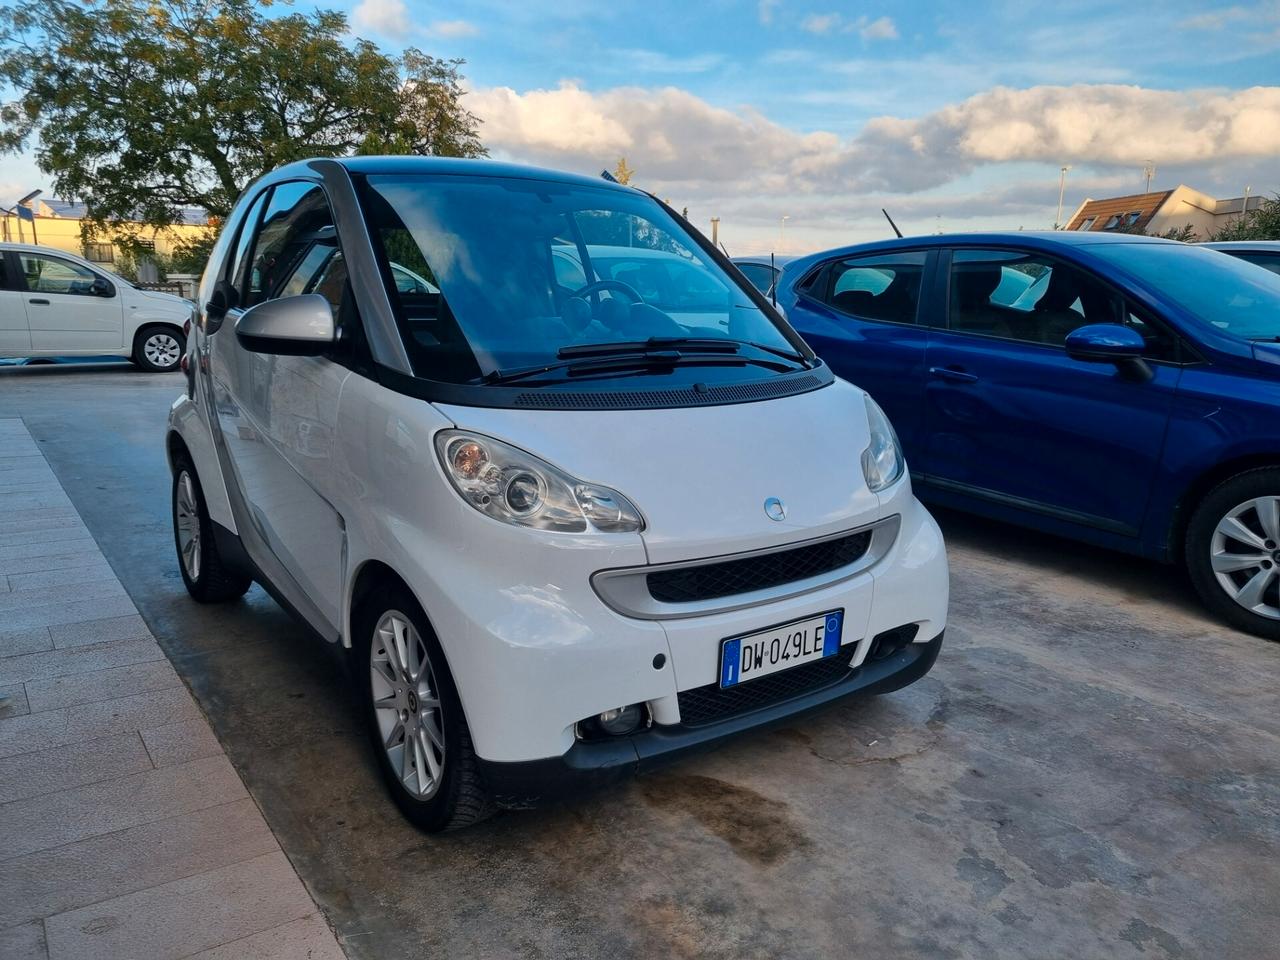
55,304
563,536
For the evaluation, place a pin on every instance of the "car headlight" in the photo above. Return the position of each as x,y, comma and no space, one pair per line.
882,462
508,484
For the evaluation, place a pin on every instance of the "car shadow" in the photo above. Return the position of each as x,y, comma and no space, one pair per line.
1097,566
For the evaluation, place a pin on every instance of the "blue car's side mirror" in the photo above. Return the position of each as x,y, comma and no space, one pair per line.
1106,342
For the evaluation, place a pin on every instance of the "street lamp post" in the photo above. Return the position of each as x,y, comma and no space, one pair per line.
1062,189
782,231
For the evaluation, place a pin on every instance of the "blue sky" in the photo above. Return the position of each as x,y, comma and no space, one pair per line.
955,116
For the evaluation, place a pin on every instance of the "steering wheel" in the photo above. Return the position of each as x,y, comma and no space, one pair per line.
619,285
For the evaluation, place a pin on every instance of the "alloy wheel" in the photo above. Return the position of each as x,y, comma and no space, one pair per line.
1245,555
406,703
162,349
187,520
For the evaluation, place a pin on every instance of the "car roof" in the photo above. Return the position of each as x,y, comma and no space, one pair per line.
1044,240
777,260
1264,245
446,166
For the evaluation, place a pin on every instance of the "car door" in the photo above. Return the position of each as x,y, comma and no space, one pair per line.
278,414
67,312
860,315
1013,421
15,340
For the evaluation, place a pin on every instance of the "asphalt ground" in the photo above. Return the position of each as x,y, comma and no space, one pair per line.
1092,769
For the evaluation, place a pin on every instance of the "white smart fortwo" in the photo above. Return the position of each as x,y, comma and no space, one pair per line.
577,503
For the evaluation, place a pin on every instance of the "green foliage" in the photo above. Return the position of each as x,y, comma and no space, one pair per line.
146,106
1261,223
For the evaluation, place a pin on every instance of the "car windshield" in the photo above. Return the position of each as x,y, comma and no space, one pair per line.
513,271
1229,294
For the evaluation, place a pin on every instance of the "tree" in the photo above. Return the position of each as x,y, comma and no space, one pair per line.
1260,223
623,173
143,107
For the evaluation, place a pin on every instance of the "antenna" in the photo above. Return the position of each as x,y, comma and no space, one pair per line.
773,287
891,223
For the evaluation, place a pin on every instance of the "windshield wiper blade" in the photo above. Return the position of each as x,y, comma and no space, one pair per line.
703,344
630,347
635,359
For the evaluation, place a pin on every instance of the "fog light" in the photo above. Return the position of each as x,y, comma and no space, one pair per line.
620,721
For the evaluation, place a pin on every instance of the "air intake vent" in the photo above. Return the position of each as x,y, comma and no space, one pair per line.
551,399
711,580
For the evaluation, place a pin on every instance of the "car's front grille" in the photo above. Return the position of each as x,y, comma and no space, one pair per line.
711,580
703,705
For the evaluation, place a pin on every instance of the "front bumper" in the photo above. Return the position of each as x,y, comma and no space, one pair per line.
591,765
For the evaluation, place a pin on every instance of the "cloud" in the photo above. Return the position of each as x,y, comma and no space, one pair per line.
1215,20
452,28
653,61
679,141
765,9
821,23
386,17
881,28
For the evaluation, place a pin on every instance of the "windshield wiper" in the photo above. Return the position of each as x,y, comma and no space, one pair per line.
632,359
701,344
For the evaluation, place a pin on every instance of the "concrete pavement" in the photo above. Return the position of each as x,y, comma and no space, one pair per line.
1090,771
125,832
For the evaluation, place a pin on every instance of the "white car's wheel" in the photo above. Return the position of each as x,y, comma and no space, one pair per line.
415,718
206,576
158,348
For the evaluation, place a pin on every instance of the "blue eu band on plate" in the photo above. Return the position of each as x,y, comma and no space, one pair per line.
780,648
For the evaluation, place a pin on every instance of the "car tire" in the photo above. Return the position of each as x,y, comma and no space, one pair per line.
158,348
1233,551
207,577
421,710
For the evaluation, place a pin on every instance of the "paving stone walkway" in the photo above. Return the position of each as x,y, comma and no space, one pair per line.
124,830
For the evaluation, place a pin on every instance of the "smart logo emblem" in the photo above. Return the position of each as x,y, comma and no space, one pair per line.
775,509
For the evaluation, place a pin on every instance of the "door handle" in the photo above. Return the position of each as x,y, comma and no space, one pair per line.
43,303
954,374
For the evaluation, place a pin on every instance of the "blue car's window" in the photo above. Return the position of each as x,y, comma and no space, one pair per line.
760,275
1222,291
1021,295
876,287
520,269
1268,261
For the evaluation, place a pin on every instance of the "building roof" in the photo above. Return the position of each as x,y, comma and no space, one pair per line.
73,210
1116,212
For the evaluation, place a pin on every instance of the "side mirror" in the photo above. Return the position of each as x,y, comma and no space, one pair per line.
300,326
1105,342
1110,343
102,287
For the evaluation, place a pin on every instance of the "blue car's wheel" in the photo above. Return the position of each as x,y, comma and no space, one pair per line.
1233,551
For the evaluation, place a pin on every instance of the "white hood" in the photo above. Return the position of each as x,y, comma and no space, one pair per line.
701,475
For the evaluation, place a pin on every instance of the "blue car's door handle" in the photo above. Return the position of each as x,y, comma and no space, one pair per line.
953,374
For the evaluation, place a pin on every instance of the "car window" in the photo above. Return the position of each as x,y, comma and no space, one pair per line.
1223,293
296,218
876,287
1025,296
1268,261
760,274
43,274
239,264
510,259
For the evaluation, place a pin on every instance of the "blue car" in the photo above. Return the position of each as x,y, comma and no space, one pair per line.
1120,390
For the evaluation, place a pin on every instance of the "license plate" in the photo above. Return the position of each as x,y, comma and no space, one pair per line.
779,648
